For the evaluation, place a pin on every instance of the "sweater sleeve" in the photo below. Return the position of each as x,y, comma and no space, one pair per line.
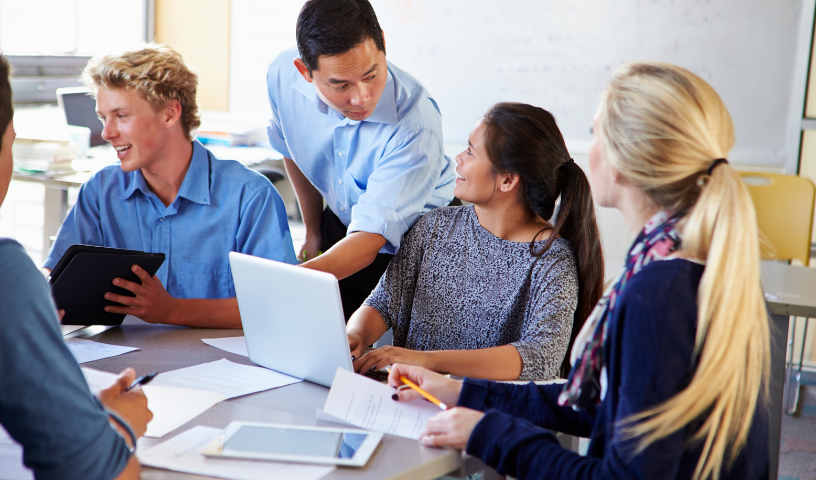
516,400
548,317
649,353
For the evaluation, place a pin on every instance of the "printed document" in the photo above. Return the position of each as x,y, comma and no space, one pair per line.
172,407
88,351
182,453
367,404
225,377
11,459
236,345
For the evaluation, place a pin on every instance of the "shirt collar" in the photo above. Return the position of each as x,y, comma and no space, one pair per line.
386,111
196,184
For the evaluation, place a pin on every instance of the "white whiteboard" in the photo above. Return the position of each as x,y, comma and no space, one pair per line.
558,54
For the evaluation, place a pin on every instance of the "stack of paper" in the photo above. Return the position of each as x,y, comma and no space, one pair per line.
42,155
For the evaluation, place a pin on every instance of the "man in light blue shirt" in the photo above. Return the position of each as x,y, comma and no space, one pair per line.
359,133
170,195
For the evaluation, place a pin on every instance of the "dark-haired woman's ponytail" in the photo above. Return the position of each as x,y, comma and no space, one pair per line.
575,221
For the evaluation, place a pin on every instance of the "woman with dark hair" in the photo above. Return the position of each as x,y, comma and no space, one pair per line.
492,290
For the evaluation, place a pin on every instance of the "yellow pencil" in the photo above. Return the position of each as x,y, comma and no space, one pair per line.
425,394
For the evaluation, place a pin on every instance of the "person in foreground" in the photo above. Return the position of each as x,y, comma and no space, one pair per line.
359,133
490,290
670,372
45,403
170,195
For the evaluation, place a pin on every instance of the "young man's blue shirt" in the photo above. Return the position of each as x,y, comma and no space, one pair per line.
221,206
377,175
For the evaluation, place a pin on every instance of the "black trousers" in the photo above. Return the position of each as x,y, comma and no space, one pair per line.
355,288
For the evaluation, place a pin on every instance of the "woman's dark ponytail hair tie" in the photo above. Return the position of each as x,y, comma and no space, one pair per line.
715,163
566,164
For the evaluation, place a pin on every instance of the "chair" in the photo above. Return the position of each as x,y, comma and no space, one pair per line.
784,205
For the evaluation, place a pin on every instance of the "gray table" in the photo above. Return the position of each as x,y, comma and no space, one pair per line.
789,291
166,348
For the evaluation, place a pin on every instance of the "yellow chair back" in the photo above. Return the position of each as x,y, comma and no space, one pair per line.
784,206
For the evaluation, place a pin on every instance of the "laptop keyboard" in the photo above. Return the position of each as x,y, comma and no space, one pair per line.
378,375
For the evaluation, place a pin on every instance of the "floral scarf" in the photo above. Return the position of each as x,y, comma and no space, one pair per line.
586,385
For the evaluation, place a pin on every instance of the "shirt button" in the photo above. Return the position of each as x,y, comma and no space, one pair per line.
342,209
162,219
339,154
340,181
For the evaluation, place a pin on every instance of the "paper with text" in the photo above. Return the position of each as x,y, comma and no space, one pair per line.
88,351
11,459
225,377
367,404
172,407
236,345
182,453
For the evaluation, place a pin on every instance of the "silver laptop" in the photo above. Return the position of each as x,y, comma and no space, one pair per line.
293,318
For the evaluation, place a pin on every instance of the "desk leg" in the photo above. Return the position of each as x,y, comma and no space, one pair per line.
56,208
779,340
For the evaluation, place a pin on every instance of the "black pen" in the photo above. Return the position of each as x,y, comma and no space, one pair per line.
143,380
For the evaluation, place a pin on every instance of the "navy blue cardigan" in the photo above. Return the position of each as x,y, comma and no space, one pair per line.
649,358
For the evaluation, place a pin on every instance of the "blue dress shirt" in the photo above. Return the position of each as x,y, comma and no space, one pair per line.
377,175
45,403
221,206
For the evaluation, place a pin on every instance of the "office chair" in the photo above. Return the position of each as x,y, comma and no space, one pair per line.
784,206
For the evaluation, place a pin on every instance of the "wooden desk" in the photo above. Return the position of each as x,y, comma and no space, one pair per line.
789,291
166,348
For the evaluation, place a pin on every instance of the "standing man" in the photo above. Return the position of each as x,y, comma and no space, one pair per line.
359,133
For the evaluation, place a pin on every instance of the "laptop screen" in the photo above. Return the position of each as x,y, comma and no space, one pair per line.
80,110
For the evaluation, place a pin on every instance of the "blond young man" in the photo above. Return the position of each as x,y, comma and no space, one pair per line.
171,195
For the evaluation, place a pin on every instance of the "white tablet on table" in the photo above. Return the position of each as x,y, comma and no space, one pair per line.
294,443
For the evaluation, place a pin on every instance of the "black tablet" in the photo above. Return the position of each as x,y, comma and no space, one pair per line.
85,274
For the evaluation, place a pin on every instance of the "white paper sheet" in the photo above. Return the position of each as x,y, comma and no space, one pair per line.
236,345
325,417
11,459
88,351
172,407
182,454
367,404
225,377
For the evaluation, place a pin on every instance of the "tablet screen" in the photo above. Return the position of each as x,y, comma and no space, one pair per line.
293,441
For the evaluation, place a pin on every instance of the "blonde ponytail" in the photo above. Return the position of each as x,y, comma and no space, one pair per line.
663,127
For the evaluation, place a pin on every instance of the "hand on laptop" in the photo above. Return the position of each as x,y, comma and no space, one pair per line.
389,355
152,303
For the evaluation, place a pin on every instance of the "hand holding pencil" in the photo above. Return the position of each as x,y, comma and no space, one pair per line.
416,382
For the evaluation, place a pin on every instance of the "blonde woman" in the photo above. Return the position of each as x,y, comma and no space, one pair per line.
670,371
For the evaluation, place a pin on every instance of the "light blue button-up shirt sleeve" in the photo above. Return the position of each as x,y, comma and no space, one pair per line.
82,225
275,129
264,229
397,191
